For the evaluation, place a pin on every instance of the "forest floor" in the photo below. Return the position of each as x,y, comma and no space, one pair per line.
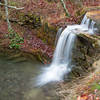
85,88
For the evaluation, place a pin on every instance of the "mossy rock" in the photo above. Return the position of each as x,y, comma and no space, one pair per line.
31,20
21,56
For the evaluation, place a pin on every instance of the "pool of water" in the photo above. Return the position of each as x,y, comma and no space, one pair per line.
17,80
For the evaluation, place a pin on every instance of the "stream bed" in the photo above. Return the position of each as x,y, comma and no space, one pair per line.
17,80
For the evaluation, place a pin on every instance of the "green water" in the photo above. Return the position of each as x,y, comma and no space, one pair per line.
17,80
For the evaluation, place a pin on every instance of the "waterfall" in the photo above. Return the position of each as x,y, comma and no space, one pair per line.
88,25
61,63
58,34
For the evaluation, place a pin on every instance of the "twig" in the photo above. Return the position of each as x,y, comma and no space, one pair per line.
14,7
64,6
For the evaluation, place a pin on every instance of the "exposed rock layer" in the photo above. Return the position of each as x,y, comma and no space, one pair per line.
85,53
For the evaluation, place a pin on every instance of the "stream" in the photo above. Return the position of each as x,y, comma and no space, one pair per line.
17,80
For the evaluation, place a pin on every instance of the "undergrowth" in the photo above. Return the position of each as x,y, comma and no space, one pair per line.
16,40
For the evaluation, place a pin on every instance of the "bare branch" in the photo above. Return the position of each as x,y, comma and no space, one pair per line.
64,6
14,7
7,15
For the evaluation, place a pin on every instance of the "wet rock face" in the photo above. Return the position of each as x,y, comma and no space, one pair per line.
85,52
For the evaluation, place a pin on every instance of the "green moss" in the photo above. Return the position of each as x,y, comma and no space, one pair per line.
39,57
95,86
12,3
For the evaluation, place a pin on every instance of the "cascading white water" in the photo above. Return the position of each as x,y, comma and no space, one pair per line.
61,63
58,34
61,60
88,25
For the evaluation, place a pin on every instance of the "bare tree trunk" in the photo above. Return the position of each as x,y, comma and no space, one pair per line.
14,7
64,6
7,15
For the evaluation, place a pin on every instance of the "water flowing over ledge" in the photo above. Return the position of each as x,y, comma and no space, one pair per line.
62,60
